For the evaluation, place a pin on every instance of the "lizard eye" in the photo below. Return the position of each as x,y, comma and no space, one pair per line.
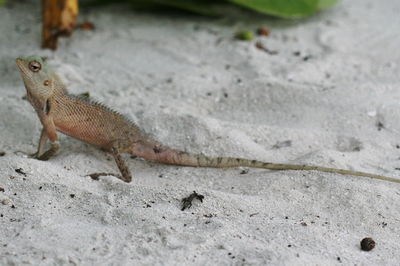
35,66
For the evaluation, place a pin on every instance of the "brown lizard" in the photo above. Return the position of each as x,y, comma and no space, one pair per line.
94,123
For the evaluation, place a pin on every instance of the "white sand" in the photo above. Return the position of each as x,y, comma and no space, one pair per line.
170,74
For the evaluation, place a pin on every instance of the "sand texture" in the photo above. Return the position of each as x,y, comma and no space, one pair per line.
328,94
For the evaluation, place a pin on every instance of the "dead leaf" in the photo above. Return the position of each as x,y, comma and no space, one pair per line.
59,19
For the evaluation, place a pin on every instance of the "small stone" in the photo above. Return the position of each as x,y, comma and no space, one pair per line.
244,171
20,171
263,31
6,201
380,125
367,244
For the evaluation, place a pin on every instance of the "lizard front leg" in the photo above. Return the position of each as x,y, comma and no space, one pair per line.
54,148
42,144
48,132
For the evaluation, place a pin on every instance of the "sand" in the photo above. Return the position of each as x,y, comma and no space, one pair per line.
329,96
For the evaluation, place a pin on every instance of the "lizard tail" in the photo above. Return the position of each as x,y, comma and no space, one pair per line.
166,155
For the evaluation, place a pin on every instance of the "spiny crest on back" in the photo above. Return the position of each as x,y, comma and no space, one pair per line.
91,101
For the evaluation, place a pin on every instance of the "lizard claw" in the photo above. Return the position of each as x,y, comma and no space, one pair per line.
34,155
29,155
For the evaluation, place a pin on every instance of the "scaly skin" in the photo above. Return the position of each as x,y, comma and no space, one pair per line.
94,123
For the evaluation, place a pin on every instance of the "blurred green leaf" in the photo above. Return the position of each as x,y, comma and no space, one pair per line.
201,7
2,2
281,8
244,35
194,6
326,3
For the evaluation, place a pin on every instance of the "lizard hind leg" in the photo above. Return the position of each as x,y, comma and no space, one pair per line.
123,168
114,149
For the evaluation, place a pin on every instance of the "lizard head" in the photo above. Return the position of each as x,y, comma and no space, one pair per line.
38,78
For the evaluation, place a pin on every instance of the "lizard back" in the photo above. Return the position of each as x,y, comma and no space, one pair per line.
92,122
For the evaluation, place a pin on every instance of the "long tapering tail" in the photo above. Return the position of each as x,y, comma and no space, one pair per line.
153,151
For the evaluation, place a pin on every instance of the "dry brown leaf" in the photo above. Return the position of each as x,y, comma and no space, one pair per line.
59,19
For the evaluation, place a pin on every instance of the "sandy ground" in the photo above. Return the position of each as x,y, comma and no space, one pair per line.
330,96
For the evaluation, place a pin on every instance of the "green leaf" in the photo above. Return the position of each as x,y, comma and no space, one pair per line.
198,7
201,7
244,35
2,2
326,3
282,8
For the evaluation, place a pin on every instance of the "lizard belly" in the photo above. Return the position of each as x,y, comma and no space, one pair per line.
86,134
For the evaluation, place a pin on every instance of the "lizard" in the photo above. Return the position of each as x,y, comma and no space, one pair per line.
99,125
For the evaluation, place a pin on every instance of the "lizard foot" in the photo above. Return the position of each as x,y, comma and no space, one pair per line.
29,155
55,147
